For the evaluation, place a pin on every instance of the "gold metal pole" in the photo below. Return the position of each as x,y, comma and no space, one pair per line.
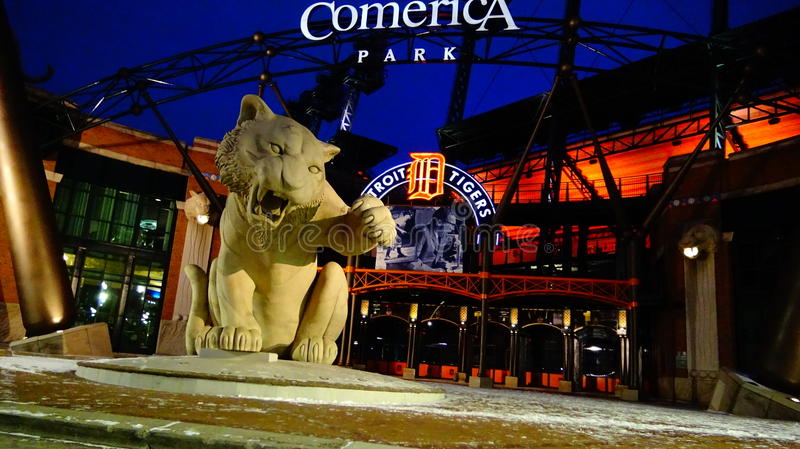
45,297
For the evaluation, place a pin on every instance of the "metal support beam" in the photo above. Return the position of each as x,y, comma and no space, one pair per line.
573,9
608,177
347,334
45,298
458,97
216,204
719,16
513,183
349,111
486,266
661,203
281,100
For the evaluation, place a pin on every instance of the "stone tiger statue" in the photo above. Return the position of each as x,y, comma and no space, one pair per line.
264,292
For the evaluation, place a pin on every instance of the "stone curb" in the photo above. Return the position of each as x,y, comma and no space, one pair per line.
148,433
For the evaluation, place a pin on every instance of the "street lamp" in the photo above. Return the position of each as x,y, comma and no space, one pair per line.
698,242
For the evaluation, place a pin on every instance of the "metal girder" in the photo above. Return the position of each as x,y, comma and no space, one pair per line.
458,98
286,53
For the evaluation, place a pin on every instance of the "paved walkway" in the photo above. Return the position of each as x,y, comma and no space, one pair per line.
49,399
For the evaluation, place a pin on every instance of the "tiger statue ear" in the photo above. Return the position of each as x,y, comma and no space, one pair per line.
329,151
253,108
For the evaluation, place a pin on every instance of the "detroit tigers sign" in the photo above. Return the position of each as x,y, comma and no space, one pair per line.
425,174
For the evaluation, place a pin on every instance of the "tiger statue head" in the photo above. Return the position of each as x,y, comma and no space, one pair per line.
273,166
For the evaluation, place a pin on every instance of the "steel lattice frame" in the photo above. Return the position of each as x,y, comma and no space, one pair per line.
267,56
611,292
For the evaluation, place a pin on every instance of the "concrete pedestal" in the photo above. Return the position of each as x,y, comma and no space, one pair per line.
565,386
481,382
409,373
512,382
91,340
461,377
254,376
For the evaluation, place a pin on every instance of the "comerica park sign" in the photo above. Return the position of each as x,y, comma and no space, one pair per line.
425,177
379,16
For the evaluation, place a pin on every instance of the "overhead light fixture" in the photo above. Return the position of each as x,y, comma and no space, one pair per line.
794,400
676,143
774,121
202,219
691,252
594,348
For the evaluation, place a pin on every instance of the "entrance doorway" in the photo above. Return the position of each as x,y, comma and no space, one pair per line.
598,358
541,355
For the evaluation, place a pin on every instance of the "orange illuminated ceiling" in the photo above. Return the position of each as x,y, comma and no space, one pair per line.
636,170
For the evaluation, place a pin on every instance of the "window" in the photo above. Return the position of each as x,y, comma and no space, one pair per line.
103,214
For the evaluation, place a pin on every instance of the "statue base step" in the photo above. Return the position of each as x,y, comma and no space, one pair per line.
254,376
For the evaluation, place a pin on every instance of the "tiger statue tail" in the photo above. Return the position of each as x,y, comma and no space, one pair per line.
204,311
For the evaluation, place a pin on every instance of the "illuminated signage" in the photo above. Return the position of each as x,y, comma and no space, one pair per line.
468,188
415,14
425,176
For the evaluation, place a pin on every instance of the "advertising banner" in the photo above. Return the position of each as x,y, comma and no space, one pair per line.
428,239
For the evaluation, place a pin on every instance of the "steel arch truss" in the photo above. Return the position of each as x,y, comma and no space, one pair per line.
663,130
611,292
266,56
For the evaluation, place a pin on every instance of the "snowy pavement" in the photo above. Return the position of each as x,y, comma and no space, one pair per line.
466,418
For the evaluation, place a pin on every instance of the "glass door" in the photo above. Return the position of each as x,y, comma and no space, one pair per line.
100,289
139,332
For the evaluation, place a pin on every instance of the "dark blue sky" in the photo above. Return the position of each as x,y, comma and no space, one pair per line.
85,40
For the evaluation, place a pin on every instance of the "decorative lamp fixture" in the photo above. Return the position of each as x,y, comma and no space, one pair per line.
691,252
197,208
567,321
413,312
364,308
514,319
463,314
622,322
698,242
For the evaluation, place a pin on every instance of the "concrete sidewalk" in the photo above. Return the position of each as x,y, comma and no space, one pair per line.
146,433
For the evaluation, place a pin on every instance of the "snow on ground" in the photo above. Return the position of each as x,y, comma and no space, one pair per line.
37,364
599,415
608,420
